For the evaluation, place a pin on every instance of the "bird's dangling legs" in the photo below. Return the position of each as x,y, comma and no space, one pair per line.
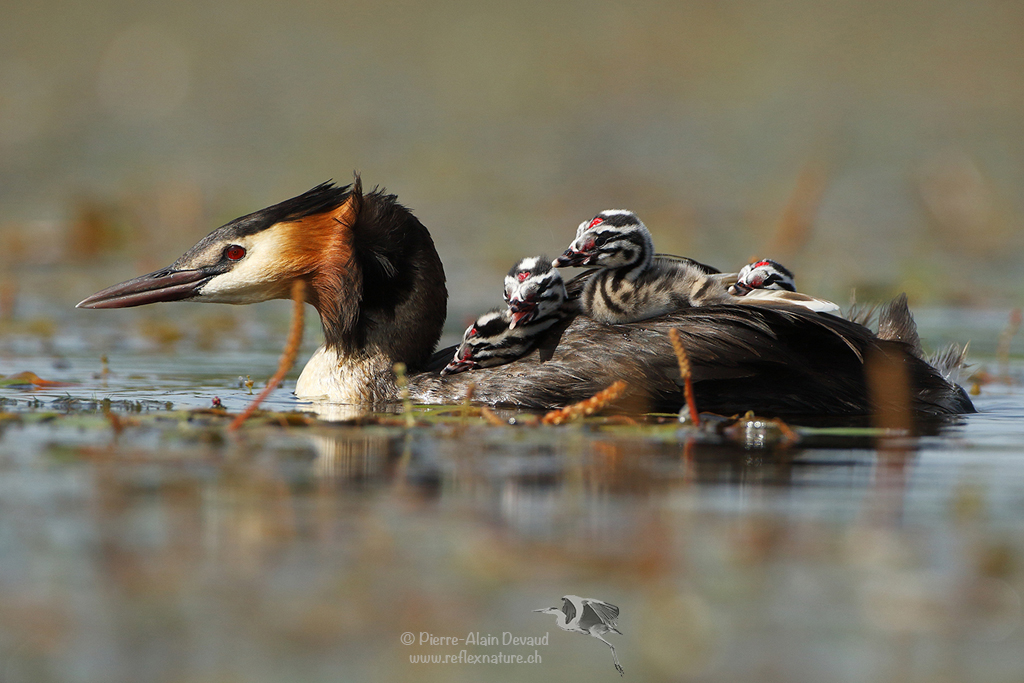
615,657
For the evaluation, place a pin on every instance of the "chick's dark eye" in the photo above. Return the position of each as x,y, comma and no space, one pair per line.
234,252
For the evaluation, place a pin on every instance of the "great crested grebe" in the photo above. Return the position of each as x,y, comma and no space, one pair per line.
763,274
631,284
379,287
490,340
767,280
536,299
534,291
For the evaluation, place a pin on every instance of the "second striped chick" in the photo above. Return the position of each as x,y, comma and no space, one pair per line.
536,301
631,284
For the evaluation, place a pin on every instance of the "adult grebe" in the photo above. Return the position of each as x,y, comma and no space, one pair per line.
379,287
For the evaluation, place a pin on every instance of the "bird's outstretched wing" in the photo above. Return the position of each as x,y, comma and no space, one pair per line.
598,612
569,609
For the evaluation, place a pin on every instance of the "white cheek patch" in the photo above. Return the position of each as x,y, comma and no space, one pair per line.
257,276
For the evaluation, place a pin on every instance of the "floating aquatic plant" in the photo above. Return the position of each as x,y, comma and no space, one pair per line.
30,380
588,407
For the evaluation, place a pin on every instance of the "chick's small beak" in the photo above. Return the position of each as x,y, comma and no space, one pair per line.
570,258
522,312
162,285
457,366
739,289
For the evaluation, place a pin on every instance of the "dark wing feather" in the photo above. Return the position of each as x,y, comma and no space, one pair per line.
598,612
574,287
703,267
895,322
568,609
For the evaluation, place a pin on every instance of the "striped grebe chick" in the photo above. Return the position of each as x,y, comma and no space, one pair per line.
631,284
536,297
535,292
768,281
763,274
489,341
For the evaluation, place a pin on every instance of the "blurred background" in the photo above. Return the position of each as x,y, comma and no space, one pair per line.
867,144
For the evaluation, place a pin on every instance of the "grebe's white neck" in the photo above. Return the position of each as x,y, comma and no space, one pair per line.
358,378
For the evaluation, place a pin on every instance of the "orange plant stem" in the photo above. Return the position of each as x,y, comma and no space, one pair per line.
291,350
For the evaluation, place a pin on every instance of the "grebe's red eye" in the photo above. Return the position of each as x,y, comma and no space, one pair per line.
522,276
234,252
597,221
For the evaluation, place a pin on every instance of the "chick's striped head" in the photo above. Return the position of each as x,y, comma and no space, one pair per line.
763,274
481,345
614,238
533,289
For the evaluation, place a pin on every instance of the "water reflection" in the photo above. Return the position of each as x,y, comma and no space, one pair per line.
355,458
302,553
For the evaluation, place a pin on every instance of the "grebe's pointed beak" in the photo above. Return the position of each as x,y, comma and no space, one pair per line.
161,285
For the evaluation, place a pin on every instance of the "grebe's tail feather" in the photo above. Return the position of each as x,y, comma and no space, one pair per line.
950,361
896,323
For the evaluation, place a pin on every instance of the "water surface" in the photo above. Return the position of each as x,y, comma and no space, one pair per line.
153,546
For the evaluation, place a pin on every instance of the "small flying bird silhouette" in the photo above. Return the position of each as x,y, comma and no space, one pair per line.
588,616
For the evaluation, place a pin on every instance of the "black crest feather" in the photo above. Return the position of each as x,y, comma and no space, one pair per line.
322,198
